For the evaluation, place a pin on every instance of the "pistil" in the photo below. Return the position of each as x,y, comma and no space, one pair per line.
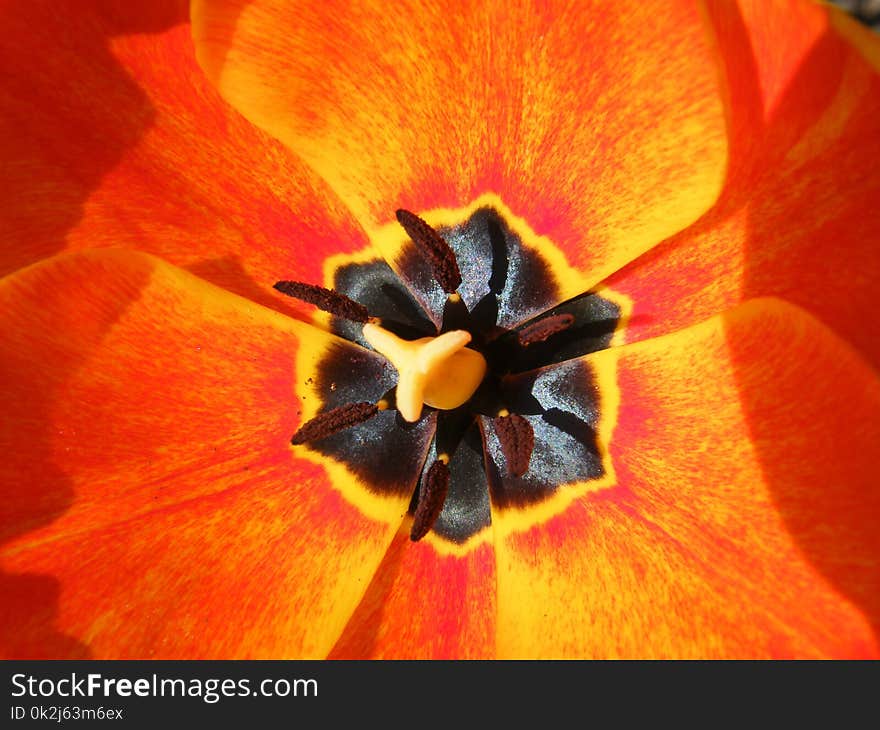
436,371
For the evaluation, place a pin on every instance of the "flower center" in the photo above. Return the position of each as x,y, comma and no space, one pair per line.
486,361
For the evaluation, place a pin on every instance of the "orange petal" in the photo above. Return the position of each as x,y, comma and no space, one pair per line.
151,504
798,217
599,123
743,522
425,605
115,138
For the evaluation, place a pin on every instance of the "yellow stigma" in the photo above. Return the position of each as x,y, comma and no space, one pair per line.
437,371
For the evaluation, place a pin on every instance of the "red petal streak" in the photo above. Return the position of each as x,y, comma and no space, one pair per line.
111,136
424,605
798,217
599,123
150,504
743,523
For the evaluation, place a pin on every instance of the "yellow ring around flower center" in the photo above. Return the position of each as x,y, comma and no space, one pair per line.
505,520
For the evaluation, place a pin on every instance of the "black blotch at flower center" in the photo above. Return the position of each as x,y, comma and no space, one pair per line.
530,427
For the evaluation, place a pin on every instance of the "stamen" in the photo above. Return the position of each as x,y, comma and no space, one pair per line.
330,422
544,328
433,248
517,441
325,299
431,498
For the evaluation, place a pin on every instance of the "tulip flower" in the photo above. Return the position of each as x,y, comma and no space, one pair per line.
592,370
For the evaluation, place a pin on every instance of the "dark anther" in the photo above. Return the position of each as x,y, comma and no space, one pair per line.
338,419
517,442
326,299
433,248
544,328
431,499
